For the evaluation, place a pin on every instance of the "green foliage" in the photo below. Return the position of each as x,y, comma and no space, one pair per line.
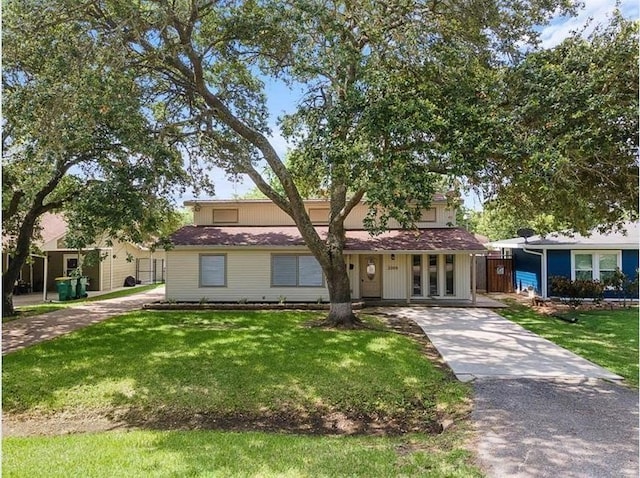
502,221
77,137
565,139
573,292
624,286
75,130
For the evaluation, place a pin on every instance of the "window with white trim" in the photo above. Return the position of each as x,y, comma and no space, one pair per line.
594,265
295,271
449,272
213,270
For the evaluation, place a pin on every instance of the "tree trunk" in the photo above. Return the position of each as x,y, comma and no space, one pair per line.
18,259
340,308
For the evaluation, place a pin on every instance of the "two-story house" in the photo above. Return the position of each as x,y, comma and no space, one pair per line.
251,250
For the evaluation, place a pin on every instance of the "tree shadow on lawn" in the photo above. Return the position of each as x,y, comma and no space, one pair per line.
230,371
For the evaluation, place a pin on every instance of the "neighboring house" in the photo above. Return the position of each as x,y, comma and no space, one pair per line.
119,260
537,259
251,250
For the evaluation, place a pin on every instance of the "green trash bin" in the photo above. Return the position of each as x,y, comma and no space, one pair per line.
73,288
81,291
63,285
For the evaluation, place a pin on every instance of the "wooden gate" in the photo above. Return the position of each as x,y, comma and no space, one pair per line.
499,274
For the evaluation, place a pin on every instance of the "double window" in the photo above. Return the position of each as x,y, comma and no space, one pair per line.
595,265
295,270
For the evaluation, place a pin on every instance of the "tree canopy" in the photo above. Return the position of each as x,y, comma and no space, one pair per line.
565,139
75,137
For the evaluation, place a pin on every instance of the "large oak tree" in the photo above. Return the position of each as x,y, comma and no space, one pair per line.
75,138
382,84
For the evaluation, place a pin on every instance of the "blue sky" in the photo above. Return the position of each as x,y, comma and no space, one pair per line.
281,99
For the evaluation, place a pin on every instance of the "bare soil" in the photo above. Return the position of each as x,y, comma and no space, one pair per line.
319,422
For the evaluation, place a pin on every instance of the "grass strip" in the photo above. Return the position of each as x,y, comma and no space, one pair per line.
224,454
608,338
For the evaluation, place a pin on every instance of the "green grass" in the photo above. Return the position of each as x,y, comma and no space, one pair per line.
247,364
606,337
228,454
224,362
38,309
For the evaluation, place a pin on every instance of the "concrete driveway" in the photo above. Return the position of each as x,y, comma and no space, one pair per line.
539,410
478,343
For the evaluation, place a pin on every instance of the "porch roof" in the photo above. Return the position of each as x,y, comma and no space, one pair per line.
431,239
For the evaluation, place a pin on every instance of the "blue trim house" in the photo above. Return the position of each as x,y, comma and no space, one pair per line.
538,258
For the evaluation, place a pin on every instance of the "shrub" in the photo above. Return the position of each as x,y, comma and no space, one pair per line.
573,292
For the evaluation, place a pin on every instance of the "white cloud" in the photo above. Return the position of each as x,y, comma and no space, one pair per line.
595,11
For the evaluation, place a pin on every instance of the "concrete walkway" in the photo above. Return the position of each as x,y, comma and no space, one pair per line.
21,333
539,410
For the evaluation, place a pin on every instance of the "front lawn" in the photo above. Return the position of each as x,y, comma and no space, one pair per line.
606,337
231,454
239,371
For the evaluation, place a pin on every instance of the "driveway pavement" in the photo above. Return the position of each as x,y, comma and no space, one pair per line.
22,333
539,410
478,343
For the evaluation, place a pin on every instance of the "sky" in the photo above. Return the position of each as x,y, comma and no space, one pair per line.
281,100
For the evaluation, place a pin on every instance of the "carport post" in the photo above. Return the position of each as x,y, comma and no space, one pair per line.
44,281
409,277
473,279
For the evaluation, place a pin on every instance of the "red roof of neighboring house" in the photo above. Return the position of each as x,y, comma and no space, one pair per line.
435,239
52,226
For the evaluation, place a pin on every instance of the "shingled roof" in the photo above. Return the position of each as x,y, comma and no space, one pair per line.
432,239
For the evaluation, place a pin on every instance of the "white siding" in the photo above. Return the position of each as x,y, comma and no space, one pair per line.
462,277
268,214
248,277
105,267
394,277
254,214
354,274
444,217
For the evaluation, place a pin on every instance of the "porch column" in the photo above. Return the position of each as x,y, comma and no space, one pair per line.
31,275
543,275
473,279
46,272
409,277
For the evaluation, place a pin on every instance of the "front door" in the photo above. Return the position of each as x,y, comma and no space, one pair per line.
70,264
370,276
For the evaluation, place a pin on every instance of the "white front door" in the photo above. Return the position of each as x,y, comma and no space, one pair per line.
370,276
70,262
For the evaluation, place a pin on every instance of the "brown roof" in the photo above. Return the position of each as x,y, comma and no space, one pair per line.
435,239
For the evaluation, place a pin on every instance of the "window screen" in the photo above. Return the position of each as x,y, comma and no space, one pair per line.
295,271
213,271
584,266
428,215
221,216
